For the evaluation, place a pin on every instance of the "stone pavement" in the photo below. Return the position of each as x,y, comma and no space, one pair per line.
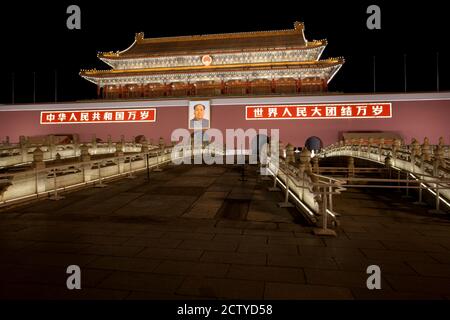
199,232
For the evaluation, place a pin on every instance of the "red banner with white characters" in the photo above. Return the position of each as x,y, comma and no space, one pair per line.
99,116
319,111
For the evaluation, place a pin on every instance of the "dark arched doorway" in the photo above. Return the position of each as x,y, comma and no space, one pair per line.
314,143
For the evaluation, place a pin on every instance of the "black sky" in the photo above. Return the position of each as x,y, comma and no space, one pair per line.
34,38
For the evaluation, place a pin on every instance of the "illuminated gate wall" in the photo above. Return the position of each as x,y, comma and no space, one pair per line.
413,115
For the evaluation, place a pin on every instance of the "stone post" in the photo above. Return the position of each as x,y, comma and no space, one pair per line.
119,149
290,155
38,159
315,161
440,153
370,145
57,158
51,146
426,150
110,146
436,163
161,143
388,164
380,148
23,148
351,166
144,148
282,150
415,148
305,158
122,141
76,144
361,141
84,153
395,147
94,143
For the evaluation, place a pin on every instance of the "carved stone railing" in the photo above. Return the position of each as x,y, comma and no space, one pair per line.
429,162
16,154
47,182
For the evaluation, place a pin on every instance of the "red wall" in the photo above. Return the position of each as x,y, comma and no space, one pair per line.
409,118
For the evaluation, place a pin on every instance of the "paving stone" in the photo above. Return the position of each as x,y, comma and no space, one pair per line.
360,243
433,285
414,245
125,264
338,278
314,242
236,224
431,269
193,268
107,240
187,235
154,243
288,291
264,273
120,252
50,259
288,249
234,257
172,254
397,255
31,292
241,238
350,264
218,230
146,295
58,247
135,281
366,294
222,288
301,261
440,257
271,233
209,245
329,252
96,294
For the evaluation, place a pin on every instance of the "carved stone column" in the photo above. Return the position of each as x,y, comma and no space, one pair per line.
38,159
84,153
290,155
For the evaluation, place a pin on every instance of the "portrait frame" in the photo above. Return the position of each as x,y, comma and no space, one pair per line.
206,119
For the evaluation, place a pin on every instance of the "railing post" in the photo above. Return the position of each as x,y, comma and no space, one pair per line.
380,149
286,203
274,187
157,169
324,231
407,196
130,174
100,183
55,196
330,196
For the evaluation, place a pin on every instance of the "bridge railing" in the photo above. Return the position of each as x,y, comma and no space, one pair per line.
22,153
42,181
301,181
429,162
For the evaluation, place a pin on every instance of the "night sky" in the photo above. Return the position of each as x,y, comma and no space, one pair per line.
35,38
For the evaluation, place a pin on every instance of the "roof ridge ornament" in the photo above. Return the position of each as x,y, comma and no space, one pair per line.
139,36
298,25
